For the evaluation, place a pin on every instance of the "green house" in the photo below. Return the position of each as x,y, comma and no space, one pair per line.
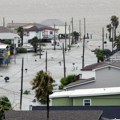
87,97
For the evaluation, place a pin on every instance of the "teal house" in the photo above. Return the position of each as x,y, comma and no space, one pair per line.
4,54
87,97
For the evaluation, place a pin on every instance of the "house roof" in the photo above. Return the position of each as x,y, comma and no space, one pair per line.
108,64
51,22
80,82
87,92
54,115
101,65
37,27
16,25
8,36
91,66
5,30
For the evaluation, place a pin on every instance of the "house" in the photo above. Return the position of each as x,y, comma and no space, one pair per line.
32,30
54,115
4,54
87,97
106,75
7,34
58,24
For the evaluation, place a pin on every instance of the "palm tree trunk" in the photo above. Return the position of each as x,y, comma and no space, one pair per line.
47,106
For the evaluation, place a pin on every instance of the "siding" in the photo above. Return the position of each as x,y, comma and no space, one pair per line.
62,102
113,100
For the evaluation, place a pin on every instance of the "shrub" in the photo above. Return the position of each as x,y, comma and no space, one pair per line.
67,80
21,50
26,92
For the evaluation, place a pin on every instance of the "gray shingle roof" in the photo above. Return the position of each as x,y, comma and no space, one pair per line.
113,64
54,115
5,30
80,82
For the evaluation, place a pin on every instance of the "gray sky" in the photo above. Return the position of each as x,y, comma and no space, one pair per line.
97,12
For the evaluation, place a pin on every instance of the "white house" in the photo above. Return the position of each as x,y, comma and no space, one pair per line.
7,34
58,25
40,31
34,30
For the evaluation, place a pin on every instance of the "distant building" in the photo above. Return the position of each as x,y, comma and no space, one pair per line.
58,25
31,30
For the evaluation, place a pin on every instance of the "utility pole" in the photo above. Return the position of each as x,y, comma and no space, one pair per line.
64,67
65,37
54,39
69,38
46,62
3,22
112,36
83,61
40,50
72,30
21,84
102,38
80,29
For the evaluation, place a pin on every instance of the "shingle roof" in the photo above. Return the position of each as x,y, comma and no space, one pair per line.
80,82
5,30
91,66
54,115
100,65
107,64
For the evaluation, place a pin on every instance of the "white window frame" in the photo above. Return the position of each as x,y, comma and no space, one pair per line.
84,102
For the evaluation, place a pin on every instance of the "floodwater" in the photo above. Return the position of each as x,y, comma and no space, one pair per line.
97,14
33,64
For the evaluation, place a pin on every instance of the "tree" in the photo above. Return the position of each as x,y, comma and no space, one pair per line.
115,23
109,28
43,86
4,105
117,42
100,54
34,43
67,80
20,32
75,36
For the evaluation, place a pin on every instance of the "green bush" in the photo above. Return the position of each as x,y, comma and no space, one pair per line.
67,80
26,92
21,50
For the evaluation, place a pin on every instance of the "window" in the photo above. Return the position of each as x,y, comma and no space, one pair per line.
87,102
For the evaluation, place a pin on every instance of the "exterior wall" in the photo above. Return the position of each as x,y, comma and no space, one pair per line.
113,100
62,101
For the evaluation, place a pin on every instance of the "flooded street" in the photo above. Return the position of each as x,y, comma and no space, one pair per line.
33,64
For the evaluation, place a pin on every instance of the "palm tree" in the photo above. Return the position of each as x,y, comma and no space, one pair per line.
75,36
43,86
115,23
4,105
20,32
109,27
34,43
